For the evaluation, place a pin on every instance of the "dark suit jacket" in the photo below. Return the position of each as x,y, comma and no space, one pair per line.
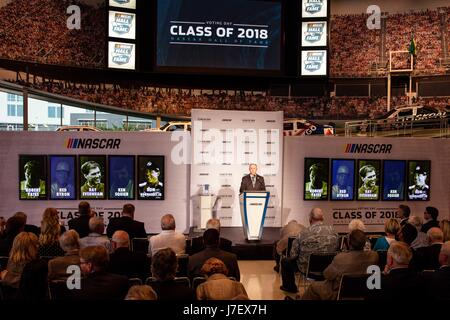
198,245
101,286
399,284
426,258
80,225
135,229
197,260
129,264
430,224
32,228
57,267
437,284
247,185
33,282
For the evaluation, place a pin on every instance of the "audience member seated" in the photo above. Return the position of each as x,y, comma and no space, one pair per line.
28,227
218,286
95,237
355,261
212,250
430,216
403,213
421,239
407,234
81,223
292,229
391,228
141,292
437,284
97,283
445,227
398,281
168,238
356,224
14,226
164,268
224,244
57,267
427,258
123,261
49,236
126,222
2,226
317,238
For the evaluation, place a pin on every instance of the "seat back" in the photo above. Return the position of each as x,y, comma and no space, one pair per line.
197,281
181,281
58,290
183,261
134,282
317,263
382,258
353,287
343,245
140,245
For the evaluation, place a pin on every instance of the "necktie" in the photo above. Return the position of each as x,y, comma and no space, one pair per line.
253,181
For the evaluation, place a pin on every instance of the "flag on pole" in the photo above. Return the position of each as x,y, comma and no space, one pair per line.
412,46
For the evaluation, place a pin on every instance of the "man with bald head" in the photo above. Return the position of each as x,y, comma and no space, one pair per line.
123,261
317,238
168,238
427,258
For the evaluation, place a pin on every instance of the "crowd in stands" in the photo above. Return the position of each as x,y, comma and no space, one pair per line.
36,30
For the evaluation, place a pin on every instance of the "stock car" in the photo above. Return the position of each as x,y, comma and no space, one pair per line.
302,127
78,128
172,126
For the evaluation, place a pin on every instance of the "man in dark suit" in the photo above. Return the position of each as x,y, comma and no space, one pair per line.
57,267
224,244
28,227
126,222
211,240
81,224
403,212
123,261
252,181
97,283
430,216
437,284
427,258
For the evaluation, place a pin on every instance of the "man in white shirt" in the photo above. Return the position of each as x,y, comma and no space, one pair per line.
168,238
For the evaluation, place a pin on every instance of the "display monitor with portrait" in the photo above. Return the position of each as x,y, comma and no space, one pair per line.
394,180
368,180
121,177
32,177
316,179
151,177
92,177
62,178
419,177
342,179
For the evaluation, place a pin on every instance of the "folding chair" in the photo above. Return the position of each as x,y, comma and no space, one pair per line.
353,287
134,282
183,261
286,253
140,245
197,281
317,263
181,281
58,290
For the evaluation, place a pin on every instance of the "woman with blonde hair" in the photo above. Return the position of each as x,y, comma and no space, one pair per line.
391,228
218,286
445,227
50,233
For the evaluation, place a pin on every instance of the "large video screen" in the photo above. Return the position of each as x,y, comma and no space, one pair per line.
32,177
121,177
316,179
394,180
221,34
151,177
92,177
62,178
419,176
369,180
342,179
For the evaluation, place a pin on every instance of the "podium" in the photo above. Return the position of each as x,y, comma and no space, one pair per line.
253,212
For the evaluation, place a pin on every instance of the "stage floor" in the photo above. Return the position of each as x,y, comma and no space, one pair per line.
254,250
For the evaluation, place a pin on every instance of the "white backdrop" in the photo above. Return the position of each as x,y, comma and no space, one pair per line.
223,145
298,148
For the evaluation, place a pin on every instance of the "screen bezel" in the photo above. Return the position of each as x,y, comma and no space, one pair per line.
404,180
163,161
44,163
327,177
353,161
80,174
429,181
75,176
357,177
133,158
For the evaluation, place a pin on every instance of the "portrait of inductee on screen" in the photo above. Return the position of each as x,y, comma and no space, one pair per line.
151,178
316,179
62,178
394,180
92,177
121,177
419,180
32,177
342,180
368,182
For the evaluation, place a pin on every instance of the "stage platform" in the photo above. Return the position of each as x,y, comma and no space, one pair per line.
254,250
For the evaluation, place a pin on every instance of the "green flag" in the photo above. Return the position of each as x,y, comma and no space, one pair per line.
412,46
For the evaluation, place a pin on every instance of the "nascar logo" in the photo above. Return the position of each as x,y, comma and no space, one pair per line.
367,148
314,6
314,31
314,61
122,53
122,23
